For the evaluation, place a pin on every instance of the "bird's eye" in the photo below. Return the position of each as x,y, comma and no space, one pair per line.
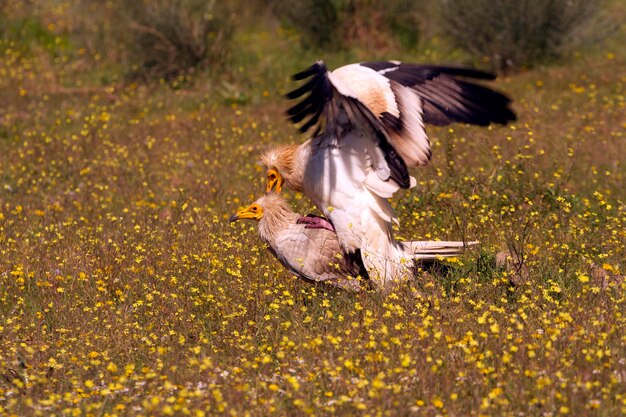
253,208
271,176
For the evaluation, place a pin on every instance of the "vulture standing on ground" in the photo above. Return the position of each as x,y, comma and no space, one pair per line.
371,117
314,254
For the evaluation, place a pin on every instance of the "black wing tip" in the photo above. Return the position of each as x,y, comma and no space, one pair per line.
463,101
399,170
506,116
380,65
314,93
430,70
461,71
390,121
318,67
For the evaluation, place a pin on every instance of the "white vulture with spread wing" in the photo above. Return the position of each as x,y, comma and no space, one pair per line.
371,117
314,254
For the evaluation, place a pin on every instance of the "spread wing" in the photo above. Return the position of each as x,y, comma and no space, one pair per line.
447,94
390,101
315,255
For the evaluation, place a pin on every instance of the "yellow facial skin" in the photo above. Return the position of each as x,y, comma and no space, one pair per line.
253,212
274,181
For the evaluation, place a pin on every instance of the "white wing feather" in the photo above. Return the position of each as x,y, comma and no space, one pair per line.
367,86
343,183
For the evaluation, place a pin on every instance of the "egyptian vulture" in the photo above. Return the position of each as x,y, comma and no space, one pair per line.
371,117
314,254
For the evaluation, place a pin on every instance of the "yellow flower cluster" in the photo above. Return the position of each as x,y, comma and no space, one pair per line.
123,291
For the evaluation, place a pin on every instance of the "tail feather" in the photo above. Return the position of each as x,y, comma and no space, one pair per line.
390,262
436,249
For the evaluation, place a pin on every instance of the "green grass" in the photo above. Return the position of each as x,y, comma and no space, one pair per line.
124,291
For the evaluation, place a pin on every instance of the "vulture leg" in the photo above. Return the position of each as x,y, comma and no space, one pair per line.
315,222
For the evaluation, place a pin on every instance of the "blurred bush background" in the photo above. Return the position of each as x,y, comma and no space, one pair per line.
167,39
516,34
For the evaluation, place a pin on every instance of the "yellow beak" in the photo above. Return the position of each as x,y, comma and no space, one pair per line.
274,181
253,212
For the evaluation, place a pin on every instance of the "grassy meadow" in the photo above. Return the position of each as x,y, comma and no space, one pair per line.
124,290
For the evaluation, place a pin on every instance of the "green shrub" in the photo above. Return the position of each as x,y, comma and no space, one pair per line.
404,18
170,37
338,24
380,25
519,33
315,21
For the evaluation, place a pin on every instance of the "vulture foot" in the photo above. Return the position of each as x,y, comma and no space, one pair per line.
312,221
